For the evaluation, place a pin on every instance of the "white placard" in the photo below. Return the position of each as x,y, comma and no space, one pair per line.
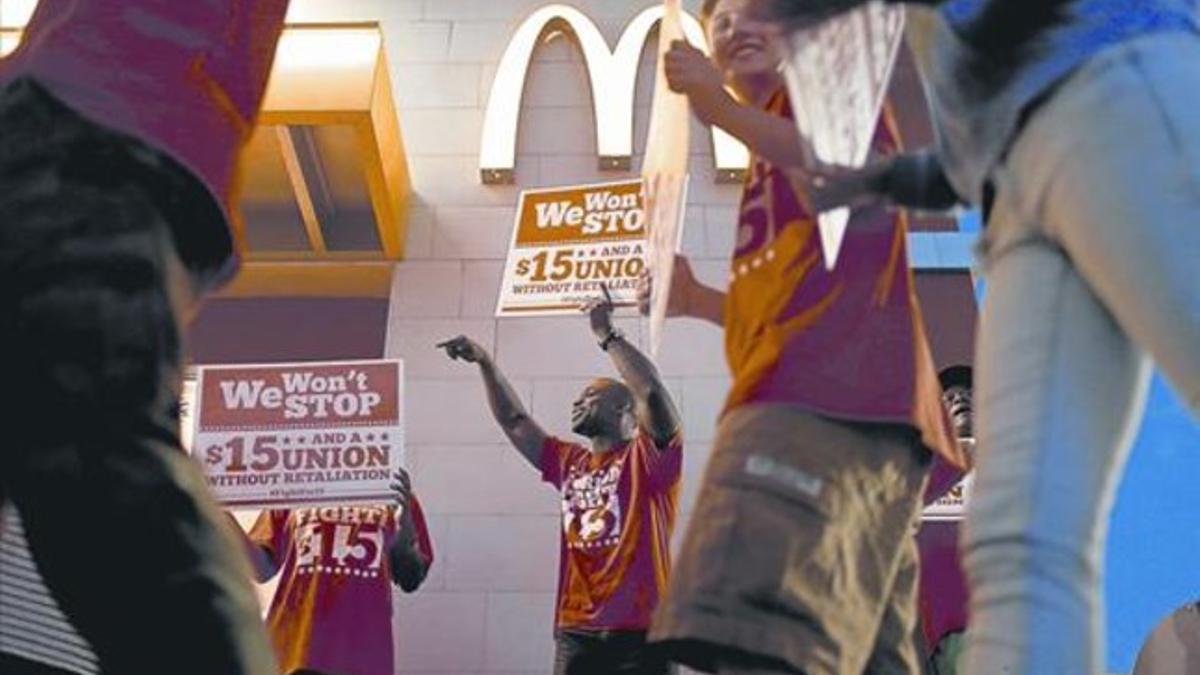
271,435
837,75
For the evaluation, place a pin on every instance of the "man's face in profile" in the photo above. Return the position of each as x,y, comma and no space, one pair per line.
599,408
957,399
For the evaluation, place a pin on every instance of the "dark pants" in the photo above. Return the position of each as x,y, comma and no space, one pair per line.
92,294
15,665
606,652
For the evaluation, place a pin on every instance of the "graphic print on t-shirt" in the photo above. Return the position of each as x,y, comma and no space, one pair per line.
591,508
340,541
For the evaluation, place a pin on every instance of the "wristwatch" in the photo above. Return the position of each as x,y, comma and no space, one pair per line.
613,334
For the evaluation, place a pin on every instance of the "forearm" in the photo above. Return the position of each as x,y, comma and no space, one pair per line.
642,378
520,429
916,180
707,303
409,566
769,136
506,406
262,562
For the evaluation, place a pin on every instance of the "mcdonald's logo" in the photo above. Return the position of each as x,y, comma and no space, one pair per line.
612,74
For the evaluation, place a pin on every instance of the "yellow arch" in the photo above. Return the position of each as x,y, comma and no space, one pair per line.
613,76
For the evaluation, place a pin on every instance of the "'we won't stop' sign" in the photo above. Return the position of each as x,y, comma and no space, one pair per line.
300,433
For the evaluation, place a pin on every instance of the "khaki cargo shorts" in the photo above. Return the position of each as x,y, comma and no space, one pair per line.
800,554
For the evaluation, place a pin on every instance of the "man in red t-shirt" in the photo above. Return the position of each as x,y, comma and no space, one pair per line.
332,610
619,496
800,556
942,598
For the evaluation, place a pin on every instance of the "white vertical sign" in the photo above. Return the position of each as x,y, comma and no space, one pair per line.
837,75
664,171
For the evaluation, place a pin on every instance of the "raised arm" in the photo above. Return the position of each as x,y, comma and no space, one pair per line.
914,180
408,561
522,431
691,73
655,409
262,559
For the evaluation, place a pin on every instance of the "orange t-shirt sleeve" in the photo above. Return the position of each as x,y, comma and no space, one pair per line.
555,453
424,541
664,463
270,532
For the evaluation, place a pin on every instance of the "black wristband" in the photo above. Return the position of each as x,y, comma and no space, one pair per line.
613,334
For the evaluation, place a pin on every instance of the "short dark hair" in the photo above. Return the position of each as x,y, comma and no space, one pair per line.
616,388
956,375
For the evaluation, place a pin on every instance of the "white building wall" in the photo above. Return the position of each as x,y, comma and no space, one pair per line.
488,605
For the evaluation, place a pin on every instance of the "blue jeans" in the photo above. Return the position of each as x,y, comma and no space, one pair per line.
93,292
1092,255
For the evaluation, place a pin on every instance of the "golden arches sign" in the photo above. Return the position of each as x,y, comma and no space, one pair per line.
613,76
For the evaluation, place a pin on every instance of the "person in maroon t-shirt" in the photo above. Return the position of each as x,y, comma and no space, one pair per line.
619,495
332,610
800,556
942,594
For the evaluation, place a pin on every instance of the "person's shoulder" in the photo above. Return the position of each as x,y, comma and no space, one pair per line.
571,447
646,440
565,448
780,103
564,442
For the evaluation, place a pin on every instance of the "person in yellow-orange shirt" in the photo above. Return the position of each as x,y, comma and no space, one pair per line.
800,556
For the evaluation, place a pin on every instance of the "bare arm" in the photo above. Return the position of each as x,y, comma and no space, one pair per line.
522,431
409,565
775,138
917,180
262,559
706,302
264,563
688,296
914,180
771,137
656,411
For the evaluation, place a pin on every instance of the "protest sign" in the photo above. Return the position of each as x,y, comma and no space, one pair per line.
299,433
664,171
952,505
837,75
569,241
